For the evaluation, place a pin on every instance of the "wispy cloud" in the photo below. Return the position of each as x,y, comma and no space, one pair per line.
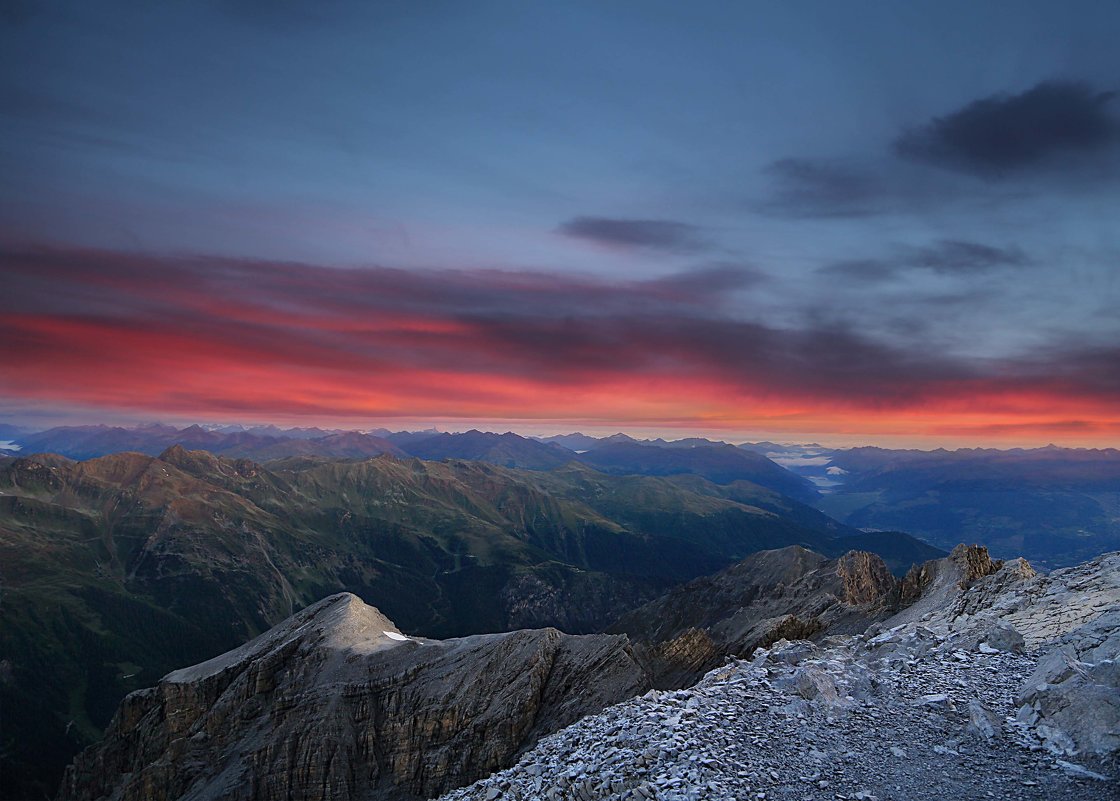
667,235
945,257
804,187
954,256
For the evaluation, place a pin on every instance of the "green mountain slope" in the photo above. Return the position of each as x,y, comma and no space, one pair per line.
119,569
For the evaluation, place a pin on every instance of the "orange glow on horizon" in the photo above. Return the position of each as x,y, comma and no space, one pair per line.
153,372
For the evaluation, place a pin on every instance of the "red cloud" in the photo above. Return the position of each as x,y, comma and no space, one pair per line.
209,337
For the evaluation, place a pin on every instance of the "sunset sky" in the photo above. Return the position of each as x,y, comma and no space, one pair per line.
872,222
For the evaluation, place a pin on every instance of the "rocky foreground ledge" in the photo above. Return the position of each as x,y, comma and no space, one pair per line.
1002,687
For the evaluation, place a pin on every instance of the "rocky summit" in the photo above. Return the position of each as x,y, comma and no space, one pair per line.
337,703
1000,683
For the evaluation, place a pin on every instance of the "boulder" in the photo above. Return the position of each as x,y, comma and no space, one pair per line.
1072,699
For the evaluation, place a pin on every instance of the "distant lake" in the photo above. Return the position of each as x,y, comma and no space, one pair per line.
8,445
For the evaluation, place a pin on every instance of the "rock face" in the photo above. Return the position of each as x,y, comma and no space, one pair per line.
788,593
1072,699
942,700
993,682
936,580
336,703
1073,696
867,581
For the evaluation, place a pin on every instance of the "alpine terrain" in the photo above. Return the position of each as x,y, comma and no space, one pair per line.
988,678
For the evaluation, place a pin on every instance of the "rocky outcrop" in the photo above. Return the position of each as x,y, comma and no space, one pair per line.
789,593
336,703
974,562
938,582
1041,608
865,577
792,593
678,661
1072,699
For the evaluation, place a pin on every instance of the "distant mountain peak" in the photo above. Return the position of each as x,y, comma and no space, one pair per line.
173,453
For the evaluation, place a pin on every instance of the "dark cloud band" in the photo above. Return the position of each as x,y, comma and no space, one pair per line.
1004,134
667,235
354,327
946,257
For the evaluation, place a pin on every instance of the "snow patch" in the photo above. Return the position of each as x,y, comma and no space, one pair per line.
392,635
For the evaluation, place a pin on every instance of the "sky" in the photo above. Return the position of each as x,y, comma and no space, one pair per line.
889,223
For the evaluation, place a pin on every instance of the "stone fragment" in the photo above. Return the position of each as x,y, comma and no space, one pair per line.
982,721
933,701
1080,771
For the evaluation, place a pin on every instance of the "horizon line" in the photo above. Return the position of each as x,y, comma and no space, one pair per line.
538,429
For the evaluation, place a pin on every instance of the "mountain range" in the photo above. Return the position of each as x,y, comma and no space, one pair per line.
120,568
1054,506
88,442
619,454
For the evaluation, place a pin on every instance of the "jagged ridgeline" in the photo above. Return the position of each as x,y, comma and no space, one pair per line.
120,569
978,674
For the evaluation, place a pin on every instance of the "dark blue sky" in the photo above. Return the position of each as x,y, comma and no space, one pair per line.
938,179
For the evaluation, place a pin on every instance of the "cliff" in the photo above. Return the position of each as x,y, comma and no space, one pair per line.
336,703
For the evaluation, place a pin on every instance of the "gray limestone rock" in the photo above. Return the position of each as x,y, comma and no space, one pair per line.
1074,691
814,684
336,703
1001,636
982,721
924,712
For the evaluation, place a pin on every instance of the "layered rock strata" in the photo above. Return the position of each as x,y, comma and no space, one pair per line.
336,703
